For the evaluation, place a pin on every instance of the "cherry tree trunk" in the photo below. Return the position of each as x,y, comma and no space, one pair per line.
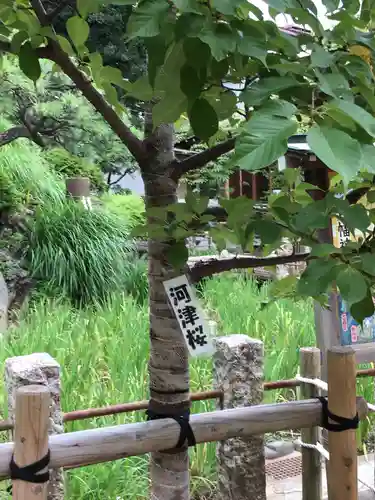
168,365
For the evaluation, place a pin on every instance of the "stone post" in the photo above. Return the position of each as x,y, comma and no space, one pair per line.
38,369
238,372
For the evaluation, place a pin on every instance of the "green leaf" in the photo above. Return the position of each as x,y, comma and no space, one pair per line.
265,87
29,62
356,217
323,250
310,218
227,7
110,93
170,108
30,21
203,119
239,209
320,57
65,45
224,102
146,19
371,196
167,79
337,150
368,263
357,114
85,7
267,230
190,82
18,38
112,75
333,84
78,30
317,277
352,284
362,309
141,89
178,255
265,136
221,39
197,53
253,47
192,6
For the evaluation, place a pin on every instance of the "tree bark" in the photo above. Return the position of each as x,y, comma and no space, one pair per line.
169,364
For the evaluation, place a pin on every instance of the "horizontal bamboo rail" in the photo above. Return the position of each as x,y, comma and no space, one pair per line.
75,415
77,449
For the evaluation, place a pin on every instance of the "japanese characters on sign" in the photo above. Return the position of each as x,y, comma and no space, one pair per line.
189,315
341,234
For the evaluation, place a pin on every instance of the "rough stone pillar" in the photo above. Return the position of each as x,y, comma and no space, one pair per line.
4,302
38,369
238,371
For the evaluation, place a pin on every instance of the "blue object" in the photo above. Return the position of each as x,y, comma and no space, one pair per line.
351,332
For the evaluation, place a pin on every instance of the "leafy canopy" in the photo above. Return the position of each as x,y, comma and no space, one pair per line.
216,62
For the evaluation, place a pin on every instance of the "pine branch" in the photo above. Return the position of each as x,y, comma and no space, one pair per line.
205,268
199,160
57,55
12,134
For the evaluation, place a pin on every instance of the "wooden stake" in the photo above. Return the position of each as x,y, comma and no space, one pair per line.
311,462
30,437
342,466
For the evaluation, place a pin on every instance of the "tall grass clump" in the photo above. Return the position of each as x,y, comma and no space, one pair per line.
80,254
24,166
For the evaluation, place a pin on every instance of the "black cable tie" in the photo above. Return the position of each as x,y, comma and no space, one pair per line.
31,473
340,423
186,432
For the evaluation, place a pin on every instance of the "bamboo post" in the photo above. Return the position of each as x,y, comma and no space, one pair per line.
342,466
311,463
30,437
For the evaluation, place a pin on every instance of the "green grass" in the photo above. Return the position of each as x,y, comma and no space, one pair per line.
24,164
103,353
81,254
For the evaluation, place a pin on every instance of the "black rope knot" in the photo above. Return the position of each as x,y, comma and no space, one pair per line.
30,473
183,420
339,424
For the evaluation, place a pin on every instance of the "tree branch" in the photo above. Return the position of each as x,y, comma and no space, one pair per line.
206,268
58,56
199,160
12,134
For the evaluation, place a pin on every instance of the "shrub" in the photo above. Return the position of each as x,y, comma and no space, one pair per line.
130,207
83,255
68,165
